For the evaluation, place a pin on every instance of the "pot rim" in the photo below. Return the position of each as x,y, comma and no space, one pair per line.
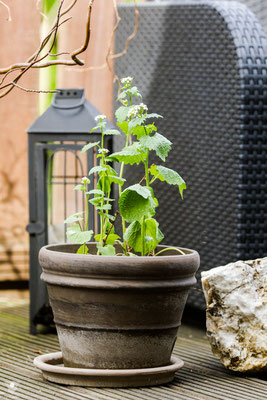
189,252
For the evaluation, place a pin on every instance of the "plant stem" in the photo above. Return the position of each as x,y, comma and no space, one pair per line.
122,219
170,248
87,209
143,235
146,168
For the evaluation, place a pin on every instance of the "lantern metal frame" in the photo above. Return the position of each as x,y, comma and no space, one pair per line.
64,126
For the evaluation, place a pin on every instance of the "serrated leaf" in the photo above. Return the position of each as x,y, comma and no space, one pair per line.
140,120
83,249
158,143
107,250
75,235
98,168
121,113
134,92
112,132
89,146
135,202
123,126
141,130
129,155
74,218
168,175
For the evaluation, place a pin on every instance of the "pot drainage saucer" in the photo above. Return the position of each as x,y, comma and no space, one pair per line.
53,370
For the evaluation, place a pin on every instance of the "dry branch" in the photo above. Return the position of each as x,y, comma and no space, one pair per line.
39,58
8,10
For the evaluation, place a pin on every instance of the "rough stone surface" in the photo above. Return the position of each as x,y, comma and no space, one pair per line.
236,297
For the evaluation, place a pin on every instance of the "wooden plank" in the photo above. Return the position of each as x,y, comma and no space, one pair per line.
202,378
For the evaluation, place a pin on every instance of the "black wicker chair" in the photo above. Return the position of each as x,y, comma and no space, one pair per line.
203,65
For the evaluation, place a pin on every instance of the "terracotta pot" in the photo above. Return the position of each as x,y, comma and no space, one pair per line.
117,312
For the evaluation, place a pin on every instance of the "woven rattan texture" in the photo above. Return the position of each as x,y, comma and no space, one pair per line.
258,7
203,66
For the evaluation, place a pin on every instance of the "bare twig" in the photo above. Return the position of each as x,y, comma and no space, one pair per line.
87,37
127,43
34,90
37,60
9,19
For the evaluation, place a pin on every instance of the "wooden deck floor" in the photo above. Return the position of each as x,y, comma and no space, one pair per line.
202,377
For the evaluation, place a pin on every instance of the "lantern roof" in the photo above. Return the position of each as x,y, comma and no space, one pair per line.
69,112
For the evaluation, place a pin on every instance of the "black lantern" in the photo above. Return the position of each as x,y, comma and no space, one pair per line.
55,167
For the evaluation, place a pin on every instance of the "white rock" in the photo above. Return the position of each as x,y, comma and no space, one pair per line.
236,297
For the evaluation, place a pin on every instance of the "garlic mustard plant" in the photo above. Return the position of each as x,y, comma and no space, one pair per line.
137,203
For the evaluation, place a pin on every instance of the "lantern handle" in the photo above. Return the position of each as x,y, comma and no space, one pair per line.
79,104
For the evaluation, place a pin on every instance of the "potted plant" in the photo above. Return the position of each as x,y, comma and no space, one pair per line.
118,301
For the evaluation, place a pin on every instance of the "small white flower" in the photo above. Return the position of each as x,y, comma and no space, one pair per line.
137,110
100,117
143,107
127,81
103,151
84,180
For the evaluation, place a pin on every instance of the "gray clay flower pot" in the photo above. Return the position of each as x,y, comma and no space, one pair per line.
117,312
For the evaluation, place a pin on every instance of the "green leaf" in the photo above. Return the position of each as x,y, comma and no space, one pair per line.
124,126
140,120
96,191
112,132
111,239
80,187
96,128
153,235
134,92
75,235
122,96
135,202
107,250
74,218
141,130
168,175
105,207
98,168
96,201
158,143
129,155
133,236
116,179
83,249
109,216
152,231
121,113
89,146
